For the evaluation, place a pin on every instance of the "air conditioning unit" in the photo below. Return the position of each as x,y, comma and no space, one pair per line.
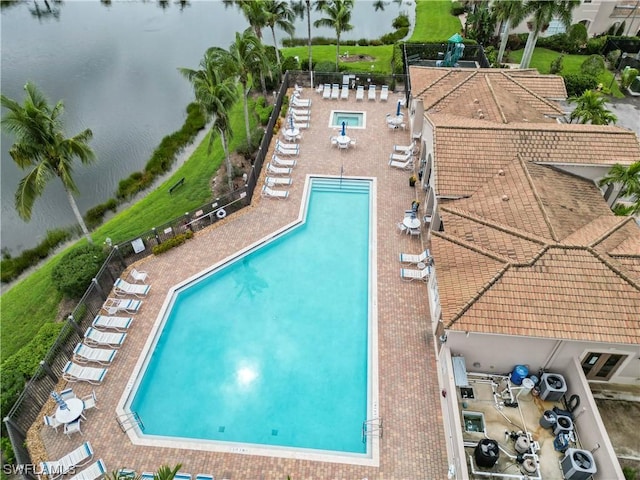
578,464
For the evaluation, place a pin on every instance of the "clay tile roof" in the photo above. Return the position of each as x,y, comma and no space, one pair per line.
547,86
592,232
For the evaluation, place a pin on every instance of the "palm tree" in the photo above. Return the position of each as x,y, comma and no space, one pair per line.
215,92
543,12
338,16
279,14
629,180
300,8
167,473
41,146
510,13
590,108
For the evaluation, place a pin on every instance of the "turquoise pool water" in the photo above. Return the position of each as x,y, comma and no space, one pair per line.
272,349
351,119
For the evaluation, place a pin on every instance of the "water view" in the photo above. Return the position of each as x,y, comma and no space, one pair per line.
115,67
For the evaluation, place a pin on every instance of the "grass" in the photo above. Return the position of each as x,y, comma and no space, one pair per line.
434,22
327,53
543,57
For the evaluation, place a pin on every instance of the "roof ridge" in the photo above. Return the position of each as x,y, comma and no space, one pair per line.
475,248
495,99
604,260
537,197
453,89
607,233
576,128
495,225
542,99
433,83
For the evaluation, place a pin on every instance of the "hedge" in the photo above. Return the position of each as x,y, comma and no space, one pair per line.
72,275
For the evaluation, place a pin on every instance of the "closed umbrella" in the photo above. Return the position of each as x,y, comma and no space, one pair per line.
398,109
344,128
59,400
291,122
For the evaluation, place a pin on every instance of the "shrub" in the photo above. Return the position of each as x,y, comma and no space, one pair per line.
627,76
457,8
290,63
578,83
363,42
172,242
7,450
375,43
326,66
593,65
595,45
556,65
73,274
578,34
95,215
401,21
514,42
263,110
630,473
391,38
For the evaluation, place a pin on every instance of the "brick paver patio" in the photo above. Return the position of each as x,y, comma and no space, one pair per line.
413,446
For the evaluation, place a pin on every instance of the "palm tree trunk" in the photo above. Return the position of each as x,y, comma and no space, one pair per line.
337,49
528,49
309,41
504,40
245,90
275,43
223,139
263,84
76,212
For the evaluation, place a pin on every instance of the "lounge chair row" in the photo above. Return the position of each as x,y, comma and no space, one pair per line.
402,156
371,94
73,460
420,259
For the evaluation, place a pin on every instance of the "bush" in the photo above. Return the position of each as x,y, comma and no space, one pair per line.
263,110
457,8
391,38
627,76
7,450
290,63
578,34
72,275
514,42
595,45
95,215
578,83
363,42
375,43
556,65
172,242
326,66
401,21
593,65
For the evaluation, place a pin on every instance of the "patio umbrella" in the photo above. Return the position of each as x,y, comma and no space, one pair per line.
59,400
344,128
398,109
291,122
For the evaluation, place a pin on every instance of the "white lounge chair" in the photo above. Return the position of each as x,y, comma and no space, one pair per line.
300,118
320,88
106,322
114,305
272,193
405,148
288,146
384,93
360,93
204,476
412,258
72,372
139,276
272,169
300,102
300,111
272,181
86,354
297,88
147,476
94,472
93,337
282,162
77,458
411,274
286,151
400,157
344,93
401,165
335,91
372,93
326,93
122,287
182,476
301,125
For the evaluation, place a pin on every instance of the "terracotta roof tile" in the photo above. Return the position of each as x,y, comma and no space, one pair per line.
547,86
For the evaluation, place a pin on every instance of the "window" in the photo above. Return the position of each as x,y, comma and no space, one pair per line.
601,366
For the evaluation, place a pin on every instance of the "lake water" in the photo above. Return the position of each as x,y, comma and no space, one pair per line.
115,68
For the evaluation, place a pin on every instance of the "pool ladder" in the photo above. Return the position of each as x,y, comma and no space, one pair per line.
129,420
371,428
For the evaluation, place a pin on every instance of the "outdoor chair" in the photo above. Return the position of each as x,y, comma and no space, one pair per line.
405,148
138,276
51,421
90,401
327,91
360,93
287,151
384,93
272,193
411,258
85,354
67,393
94,472
93,337
410,274
320,88
278,170
122,287
335,91
372,93
114,305
272,181
344,93
288,146
72,372
282,162
72,427
76,458
400,157
107,322
401,165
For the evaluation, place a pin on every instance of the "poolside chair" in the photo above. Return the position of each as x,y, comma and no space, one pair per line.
272,181
204,476
320,88
300,102
120,324
72,427
182,476
90,401
281,162
114,305
372,93
93,337
77,458
401,157
411,274
405,148
278,170
326,93
51,421
122,287
72,372
300,117
411,258
335,91
300,111
384,93
271,193
85,354
67,393
138,276
297,88
360,93
352,143
288,146
334,140
344,93
94,472
408,165
286,151
301,125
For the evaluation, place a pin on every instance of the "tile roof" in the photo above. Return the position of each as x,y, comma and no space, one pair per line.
460,169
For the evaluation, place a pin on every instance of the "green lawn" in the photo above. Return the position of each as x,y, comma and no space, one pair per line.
327,53
434,22
543,57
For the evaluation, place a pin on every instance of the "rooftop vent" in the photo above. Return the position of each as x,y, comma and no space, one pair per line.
505,198
475,100
501,172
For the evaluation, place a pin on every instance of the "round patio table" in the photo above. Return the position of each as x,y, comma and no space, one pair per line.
74,409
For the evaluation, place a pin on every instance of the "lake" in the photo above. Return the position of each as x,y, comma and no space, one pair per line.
115,68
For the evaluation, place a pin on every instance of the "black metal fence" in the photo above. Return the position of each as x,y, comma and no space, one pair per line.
427,54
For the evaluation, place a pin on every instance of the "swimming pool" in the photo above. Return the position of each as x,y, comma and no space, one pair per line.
351,119
274,350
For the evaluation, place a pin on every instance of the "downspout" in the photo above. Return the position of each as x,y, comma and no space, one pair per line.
553,354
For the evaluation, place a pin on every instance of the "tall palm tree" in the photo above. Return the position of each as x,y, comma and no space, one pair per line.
510,13
543,11
629,180
279,14
338,17
41,146
215,92
302,8
590,108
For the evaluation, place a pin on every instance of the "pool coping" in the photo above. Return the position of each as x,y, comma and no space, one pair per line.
360,127
372,455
